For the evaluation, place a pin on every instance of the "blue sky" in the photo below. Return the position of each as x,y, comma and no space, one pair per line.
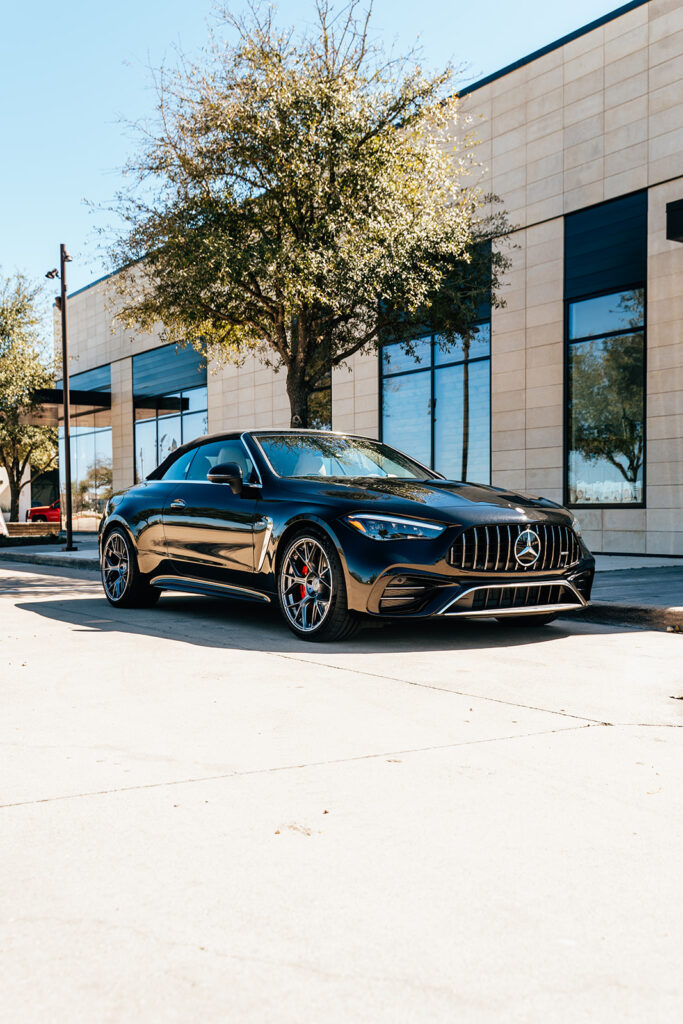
71,70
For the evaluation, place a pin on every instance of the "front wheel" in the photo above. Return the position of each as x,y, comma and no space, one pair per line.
123,584
312,591
526,620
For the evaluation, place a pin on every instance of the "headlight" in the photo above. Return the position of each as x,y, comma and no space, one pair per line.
393,527
576,526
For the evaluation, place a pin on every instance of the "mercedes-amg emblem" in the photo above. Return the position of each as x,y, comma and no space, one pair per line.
528,547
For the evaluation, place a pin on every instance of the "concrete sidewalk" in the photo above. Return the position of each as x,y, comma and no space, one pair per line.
638,596
86,557
632,589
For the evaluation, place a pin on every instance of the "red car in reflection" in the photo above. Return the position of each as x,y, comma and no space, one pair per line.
44,513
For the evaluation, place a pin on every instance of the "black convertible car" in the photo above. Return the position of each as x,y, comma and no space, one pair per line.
334,528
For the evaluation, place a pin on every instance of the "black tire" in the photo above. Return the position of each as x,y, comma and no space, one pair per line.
124,586
320,615
526,620
40,519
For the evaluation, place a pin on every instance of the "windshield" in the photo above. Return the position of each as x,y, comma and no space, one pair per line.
327,455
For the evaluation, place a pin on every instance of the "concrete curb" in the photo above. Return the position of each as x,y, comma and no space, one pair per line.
63,561
647,615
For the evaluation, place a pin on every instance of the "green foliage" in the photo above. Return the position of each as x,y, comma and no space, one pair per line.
22,371
305,196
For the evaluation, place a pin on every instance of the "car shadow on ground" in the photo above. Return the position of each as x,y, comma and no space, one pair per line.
213,623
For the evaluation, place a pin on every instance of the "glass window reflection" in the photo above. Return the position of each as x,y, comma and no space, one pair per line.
196,400
607,420
195,424
395,359
618,311
477,346
164,422
442,415
462,416
406,407
91,474
145,448
169,436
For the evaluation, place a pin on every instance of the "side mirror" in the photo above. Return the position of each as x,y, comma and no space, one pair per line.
226,473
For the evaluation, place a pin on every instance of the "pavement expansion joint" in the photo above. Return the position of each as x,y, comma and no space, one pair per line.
446,689
297,767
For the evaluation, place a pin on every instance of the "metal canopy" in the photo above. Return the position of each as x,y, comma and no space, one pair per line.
95,404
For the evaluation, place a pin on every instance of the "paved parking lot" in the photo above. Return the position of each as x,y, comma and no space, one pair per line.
203,819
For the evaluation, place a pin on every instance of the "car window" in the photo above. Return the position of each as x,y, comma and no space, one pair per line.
332,455
178,469
218,452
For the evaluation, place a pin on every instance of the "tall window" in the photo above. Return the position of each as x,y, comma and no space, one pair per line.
436,402
605,267
163,423
606,337
91,447
91,470
170,402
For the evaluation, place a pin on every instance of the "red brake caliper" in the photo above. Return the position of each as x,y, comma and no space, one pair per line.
304,572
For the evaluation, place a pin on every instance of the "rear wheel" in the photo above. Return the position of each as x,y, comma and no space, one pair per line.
311,590
526,620
123,584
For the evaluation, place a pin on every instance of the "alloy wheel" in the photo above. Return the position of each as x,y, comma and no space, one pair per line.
115,566
306,584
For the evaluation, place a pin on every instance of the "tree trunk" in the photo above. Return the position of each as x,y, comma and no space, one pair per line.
14,501
297,391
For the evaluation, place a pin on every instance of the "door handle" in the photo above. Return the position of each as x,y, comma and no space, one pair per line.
177,503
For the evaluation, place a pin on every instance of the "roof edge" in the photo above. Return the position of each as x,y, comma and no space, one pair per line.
624,9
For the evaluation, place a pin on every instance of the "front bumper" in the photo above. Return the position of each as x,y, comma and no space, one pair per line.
424,594
418,579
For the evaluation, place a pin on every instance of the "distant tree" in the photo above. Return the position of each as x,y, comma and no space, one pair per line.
607,393
308,197
22,371
607,403
95,487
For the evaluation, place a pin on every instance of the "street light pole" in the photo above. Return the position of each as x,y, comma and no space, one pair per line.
64,258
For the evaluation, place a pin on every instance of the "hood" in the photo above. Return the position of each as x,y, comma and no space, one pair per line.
447,499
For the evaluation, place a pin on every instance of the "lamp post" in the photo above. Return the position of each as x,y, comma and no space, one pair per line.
64,258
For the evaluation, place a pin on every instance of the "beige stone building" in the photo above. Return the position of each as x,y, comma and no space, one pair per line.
575,385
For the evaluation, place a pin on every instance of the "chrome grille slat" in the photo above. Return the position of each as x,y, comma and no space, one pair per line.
515,598
490,548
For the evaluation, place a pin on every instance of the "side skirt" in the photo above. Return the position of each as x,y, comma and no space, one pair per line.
190,585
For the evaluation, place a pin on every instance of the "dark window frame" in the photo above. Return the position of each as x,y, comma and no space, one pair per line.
568,342
433,369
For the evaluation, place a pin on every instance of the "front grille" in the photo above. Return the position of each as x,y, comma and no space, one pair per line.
496,598
492,548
